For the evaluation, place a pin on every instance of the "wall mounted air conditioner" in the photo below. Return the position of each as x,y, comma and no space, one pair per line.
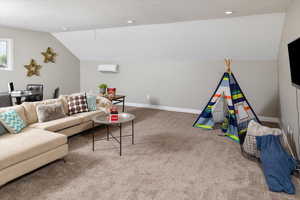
108,68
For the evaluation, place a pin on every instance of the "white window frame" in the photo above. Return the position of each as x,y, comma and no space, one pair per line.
10,54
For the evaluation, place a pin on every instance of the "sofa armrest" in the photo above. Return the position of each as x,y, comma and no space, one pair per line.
103,104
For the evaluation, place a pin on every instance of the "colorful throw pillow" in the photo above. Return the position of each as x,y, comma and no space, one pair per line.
12,121
77,104
91,102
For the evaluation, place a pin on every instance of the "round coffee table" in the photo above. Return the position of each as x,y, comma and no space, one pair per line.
123,118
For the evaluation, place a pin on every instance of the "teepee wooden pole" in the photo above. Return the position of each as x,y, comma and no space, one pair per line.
228,65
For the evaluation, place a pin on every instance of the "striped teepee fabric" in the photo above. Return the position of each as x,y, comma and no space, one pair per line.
238,114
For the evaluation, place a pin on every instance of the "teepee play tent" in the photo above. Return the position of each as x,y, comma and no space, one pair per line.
238,111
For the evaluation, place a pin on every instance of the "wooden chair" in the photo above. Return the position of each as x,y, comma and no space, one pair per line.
37,88
11,87
56,93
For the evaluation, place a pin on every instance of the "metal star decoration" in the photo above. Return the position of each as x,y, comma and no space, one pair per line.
33,68
49,55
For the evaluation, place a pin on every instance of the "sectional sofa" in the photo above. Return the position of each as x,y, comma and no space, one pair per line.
41,143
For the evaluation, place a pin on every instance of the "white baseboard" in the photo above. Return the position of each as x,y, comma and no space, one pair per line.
189,110
269,119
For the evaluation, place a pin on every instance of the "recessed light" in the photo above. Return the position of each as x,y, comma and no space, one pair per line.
228,12
130,21
64,28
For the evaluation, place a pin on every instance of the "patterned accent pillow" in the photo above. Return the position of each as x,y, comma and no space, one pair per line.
12,121
250,147
77,104
91,102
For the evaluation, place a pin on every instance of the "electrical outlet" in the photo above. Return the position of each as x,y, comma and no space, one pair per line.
148,97
288,129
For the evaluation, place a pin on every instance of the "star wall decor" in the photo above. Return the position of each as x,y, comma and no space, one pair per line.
33,68
49,55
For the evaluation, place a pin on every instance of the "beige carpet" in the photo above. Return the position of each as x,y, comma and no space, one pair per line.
170,161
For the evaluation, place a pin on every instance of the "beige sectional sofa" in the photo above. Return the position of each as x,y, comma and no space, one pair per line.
41,143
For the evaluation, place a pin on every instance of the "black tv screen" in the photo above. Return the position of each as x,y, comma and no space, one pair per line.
294,54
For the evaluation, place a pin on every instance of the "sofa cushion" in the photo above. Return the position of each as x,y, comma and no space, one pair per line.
19,109
30,109
28,144
64,100
50,112
103,104
12,121
77,129
87,116
58,124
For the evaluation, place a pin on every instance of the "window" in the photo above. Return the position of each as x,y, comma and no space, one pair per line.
6,54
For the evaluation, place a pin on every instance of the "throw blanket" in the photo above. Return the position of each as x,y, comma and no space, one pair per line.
276,163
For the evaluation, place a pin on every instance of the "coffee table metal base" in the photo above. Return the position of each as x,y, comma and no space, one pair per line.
109,136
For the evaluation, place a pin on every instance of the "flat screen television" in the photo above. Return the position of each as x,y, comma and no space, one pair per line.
294,54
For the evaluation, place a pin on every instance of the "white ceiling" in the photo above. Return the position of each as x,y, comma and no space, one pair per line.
52,15
255,37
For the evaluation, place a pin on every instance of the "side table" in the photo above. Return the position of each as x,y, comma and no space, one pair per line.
123,118
118,99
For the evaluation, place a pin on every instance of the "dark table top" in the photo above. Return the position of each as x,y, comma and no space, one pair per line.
116,97
25,93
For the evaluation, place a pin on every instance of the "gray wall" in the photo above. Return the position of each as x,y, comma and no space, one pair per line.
185,84
180,64
287,93
29,44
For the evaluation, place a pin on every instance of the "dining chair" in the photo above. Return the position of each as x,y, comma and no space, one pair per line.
5,99
39,88
11,87
56,93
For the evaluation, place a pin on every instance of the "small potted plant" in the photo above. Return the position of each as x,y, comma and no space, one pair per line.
103,88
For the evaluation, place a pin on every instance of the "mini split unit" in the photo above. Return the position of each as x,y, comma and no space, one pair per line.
108,68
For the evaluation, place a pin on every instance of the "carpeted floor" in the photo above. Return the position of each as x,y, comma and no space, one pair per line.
170,161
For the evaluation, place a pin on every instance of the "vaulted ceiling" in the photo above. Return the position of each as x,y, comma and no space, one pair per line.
254,37
58,15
